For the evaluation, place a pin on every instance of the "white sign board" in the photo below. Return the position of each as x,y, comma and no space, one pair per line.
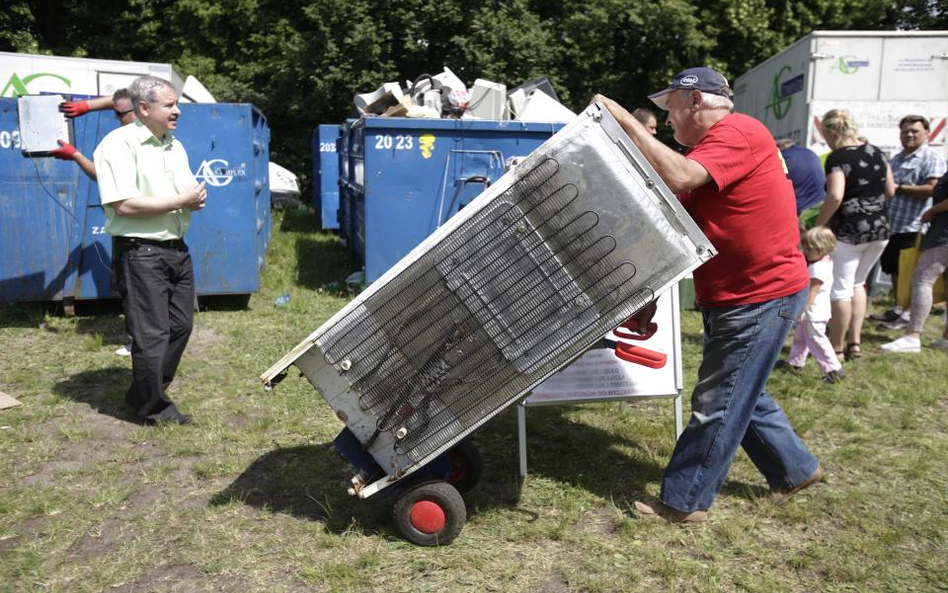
599,375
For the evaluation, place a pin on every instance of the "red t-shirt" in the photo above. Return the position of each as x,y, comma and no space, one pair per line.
748,212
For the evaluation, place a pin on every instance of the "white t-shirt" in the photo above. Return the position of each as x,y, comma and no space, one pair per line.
821,270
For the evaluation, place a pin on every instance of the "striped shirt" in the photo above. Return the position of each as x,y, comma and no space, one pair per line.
914,168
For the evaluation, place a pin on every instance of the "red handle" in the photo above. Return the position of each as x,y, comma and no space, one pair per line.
632,323
640,355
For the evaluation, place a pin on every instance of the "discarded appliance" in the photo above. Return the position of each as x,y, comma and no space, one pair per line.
541,107
387,95
488,100
284,187
41,124
533,272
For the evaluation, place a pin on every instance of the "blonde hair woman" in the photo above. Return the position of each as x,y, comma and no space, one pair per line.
858,181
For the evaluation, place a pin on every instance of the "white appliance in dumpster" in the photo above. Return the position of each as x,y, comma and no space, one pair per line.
539,267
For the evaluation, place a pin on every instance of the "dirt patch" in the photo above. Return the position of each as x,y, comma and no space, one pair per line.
555,584
203,341
600,521
104,540
178,578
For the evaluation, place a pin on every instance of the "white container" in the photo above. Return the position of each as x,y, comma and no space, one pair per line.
878,76
31,75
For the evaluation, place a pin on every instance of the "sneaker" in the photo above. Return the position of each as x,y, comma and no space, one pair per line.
940,344
834,376
903,344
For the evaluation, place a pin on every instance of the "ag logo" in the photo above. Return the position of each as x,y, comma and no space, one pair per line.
218,172
850,65
16,86
689,80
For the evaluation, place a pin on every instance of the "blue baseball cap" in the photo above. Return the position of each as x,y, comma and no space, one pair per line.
704,79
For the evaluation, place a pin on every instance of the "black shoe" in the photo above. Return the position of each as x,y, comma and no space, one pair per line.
783,365
888,316
834,376
170,415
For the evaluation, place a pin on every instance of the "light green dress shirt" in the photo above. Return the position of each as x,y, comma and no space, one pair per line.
131,162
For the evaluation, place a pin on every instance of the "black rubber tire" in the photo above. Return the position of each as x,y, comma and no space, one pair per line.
466,466
443,495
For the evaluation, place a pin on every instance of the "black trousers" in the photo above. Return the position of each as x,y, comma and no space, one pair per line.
156,283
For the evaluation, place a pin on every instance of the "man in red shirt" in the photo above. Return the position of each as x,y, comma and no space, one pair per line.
734,183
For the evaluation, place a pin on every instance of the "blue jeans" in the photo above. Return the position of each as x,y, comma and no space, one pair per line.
729,407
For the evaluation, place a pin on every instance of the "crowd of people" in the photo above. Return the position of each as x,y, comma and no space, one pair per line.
877,209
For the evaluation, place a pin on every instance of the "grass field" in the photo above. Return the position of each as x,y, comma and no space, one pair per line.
252,498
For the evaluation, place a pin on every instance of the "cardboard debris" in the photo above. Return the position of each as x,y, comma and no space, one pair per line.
7,401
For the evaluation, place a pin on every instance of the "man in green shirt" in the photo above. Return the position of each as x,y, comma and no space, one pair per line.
148,193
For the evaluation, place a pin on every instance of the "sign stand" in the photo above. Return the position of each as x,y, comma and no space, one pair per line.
599,376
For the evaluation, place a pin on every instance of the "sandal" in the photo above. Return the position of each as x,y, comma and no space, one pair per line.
853,351
841,355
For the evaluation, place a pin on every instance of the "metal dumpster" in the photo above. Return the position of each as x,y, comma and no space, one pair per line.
326,175
53,245
535,270
406,177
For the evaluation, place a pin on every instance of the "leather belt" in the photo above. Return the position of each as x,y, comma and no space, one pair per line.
176,244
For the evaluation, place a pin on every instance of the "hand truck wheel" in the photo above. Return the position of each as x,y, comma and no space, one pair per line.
431,513
466,466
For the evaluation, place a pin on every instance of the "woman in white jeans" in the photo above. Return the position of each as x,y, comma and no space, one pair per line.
858,181
932,263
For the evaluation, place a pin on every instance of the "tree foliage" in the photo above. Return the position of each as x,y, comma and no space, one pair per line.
301,61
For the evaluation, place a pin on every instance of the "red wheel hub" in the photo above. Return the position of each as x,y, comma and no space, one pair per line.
427,516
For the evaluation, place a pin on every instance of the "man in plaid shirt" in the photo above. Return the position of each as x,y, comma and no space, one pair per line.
915,169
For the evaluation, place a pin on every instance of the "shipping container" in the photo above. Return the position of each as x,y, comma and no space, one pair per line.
326,175
53,244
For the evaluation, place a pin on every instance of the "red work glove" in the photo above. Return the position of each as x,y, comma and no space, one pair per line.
74,108
66,152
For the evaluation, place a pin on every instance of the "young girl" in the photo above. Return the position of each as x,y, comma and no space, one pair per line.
810,337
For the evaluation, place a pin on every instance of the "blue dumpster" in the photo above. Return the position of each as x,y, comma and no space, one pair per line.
406,177
326,175
53,245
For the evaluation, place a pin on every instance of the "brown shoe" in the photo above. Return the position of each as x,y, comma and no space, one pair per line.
660,510
781,496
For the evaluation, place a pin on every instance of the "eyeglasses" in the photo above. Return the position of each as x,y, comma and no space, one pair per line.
121,114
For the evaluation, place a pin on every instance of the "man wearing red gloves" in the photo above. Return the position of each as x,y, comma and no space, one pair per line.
120,102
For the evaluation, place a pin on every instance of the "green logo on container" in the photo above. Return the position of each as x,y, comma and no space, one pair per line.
16,86
779,100
850,64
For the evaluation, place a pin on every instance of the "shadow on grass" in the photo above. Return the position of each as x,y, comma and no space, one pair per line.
323,261
27,314
311,481
561,449
307,482
102,389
